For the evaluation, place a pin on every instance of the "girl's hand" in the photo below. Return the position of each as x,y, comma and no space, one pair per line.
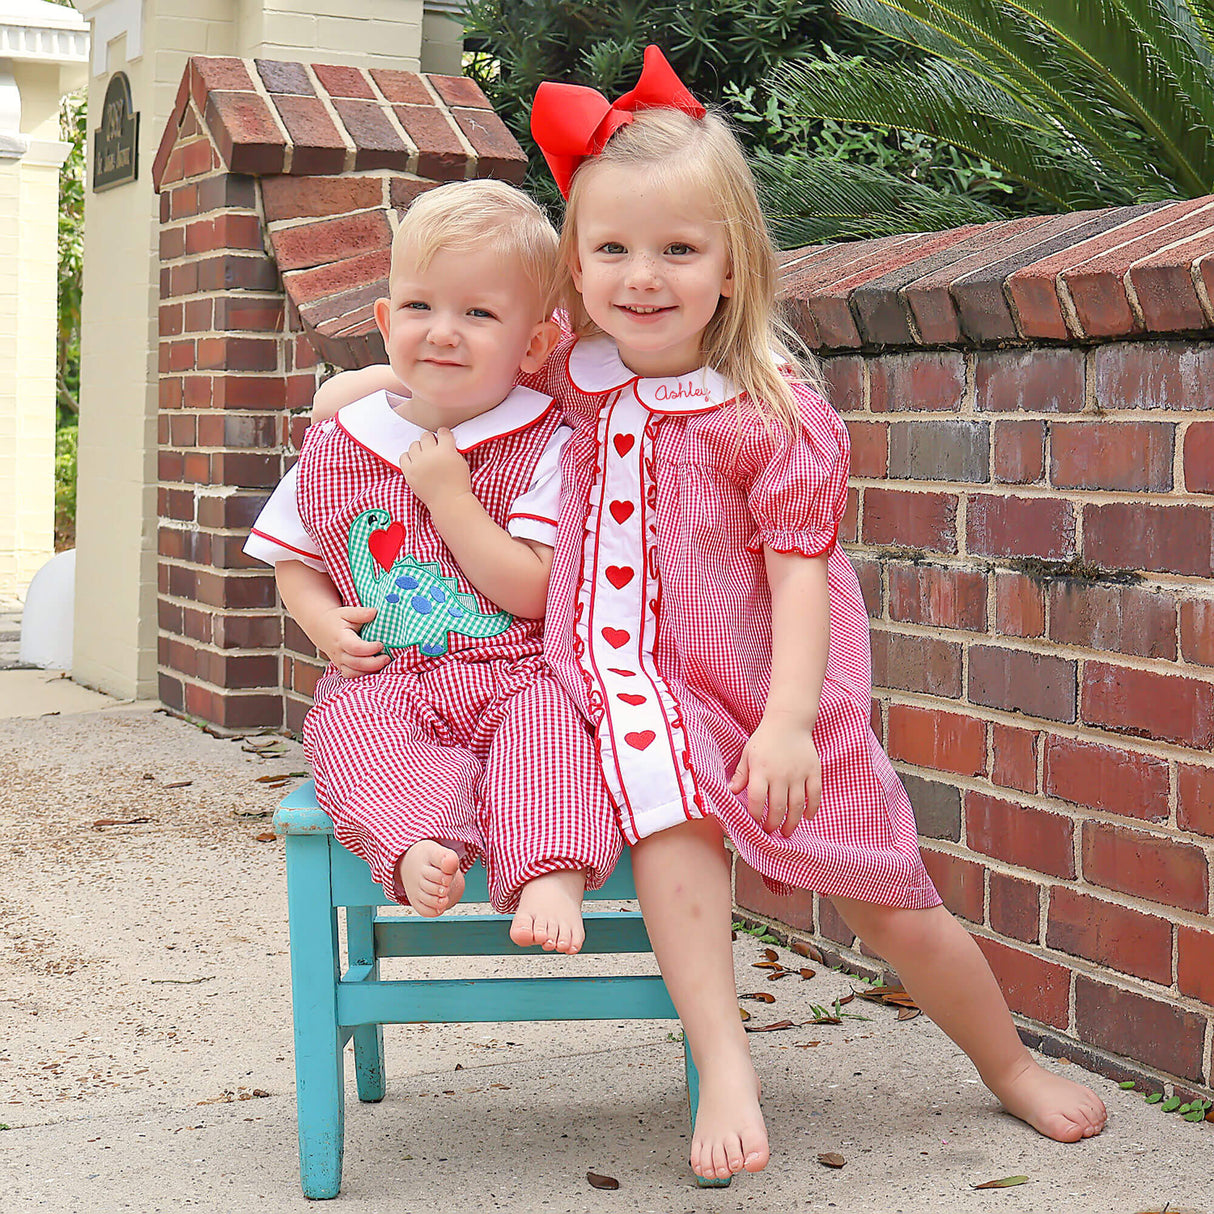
435,470
781,772
339,641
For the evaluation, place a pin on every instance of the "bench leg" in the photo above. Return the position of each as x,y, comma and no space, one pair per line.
368,1038
693,1103
315,968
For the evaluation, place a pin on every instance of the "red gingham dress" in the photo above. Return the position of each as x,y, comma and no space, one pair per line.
659,617
479,747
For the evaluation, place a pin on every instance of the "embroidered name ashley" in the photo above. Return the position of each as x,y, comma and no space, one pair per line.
681,391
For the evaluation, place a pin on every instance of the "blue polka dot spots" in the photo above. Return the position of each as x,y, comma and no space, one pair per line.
421,604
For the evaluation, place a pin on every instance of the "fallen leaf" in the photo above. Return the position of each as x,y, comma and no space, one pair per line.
179,784
459,1066
771,1028
825,1019
760,997
804,949
770,954
780,973
602,1182
501,1087
832,1159
767,965
1006,1183
744,1014
285,775
807,973
908,1013
120,822
182,981
267,836
844,1000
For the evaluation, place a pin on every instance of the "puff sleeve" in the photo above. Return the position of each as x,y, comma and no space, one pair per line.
799,488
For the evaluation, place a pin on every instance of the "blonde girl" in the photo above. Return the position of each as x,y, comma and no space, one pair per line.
703,616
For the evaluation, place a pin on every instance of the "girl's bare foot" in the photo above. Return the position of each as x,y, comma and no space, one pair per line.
429,873
550,912
730,1135
1056,1107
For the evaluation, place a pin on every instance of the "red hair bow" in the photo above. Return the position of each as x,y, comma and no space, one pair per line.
572,123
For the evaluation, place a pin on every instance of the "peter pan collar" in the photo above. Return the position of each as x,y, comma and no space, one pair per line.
374,424
595,365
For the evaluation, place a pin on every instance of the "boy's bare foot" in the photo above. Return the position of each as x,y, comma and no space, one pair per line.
729,1133
429,873
550,912
1056,1107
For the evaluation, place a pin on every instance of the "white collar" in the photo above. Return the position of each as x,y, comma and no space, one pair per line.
374,424
595,365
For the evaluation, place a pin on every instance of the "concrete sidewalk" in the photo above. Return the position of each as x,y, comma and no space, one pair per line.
145,1037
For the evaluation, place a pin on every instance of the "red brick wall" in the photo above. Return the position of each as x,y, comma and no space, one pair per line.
279,187
1033,527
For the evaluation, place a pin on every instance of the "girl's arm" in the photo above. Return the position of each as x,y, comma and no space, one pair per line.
346,387
780,767
513,573
316,606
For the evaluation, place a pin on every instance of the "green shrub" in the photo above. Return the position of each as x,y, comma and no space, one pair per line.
65,487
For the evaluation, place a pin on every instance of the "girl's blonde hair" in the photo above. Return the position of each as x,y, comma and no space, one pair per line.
747,339
484,216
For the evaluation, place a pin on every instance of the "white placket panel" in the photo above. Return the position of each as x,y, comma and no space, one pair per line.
642,746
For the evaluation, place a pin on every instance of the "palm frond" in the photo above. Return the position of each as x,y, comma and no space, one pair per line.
955,108
811,201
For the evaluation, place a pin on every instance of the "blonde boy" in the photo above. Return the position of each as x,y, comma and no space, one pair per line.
412,543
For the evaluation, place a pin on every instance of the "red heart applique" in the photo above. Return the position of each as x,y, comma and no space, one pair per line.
619,575
640,740
623,443
628,674
621,511
630,699
384,545
616,637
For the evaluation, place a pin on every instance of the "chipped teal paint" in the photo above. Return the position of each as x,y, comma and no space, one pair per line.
331,1006
414,603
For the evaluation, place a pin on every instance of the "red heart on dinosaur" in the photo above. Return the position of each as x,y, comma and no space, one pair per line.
616,637
623,443
619,575
640,740
621,511
386,544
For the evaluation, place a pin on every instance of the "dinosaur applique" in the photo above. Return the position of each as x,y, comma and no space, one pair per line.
414,603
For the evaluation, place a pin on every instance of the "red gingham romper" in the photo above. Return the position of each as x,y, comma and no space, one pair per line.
479,747
659,616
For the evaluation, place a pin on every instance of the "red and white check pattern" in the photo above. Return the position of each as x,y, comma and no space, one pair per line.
481,748
490,757
671,597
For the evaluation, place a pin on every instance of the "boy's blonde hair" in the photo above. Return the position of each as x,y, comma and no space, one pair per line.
475,216
747,340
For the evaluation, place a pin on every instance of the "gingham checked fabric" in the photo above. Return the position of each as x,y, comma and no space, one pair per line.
659,616
490,757
479,746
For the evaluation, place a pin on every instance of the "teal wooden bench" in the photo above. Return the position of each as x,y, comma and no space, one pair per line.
332,1004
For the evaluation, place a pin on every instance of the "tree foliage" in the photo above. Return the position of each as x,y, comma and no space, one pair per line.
714,45
1083,103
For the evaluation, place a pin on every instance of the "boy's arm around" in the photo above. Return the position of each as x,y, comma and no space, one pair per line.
513,573
346,387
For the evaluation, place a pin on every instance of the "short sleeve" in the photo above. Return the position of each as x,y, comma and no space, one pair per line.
799,491
278,533
533,515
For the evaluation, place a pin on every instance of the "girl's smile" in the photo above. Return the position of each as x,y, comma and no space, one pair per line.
652,266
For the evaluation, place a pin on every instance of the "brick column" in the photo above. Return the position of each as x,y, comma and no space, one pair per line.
280,185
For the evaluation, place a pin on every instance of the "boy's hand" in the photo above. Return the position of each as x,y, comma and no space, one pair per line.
782,774
435,470
340,643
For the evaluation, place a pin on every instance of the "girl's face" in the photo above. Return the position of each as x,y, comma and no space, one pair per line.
651,264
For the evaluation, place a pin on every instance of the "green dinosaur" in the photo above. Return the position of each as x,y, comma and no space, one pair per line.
414,603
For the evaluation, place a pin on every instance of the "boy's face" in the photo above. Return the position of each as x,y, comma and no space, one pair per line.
459,331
